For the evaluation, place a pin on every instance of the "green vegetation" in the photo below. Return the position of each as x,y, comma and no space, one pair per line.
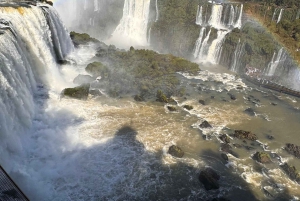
142,72
287,30
97,69
81,39
176,31
81,92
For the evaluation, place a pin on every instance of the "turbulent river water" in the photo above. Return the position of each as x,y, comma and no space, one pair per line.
116,148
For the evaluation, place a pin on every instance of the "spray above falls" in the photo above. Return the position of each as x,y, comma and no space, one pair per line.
216,20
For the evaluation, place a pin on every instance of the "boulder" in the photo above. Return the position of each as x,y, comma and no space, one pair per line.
188,107
172,108
202,102
138,98
244,135
224,138
81,92
209,178
205,124
224,156
262,157
232,97
83,79
249,111
175,151
291,171
293,149
82,39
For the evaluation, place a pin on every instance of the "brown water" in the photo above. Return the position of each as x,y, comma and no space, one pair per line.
117,129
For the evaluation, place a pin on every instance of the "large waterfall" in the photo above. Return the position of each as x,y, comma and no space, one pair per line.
32,40
132,29
221,20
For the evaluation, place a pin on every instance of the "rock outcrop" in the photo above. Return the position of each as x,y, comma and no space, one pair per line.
245,135
81,92
209,178
175,151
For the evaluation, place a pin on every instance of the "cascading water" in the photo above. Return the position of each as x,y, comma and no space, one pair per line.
157,11
224,20
132,29
277,60
280,15
237,55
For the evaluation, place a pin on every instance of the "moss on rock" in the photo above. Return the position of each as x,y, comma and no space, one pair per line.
81,92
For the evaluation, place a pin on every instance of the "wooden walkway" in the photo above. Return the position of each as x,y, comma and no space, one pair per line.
9,191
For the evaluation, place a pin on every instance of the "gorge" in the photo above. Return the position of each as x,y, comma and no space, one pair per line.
140,101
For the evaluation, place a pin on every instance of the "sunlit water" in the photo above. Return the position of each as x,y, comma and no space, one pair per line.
116,149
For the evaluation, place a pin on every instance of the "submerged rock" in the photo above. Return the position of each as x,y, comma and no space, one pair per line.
188,107
83,79
244,135
209,178
81,92
175,151
202,102
225,138
293,149
262,157
250,111
139,98
205,124
172,108
232,97
291,171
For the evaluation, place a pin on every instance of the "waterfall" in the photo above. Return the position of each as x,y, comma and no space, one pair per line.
204,48
222,21
85,5
133,25
199,16
199,42
96,6
274,14
157,11
276,60
237,55
149,36
280,15
216,15
215,48
27,61
239,22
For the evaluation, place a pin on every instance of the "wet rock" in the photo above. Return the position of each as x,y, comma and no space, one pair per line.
249,148
81,92
188,107
291,171
161,97
225,138
138,98
276,156
175,151
205,124
270,137
171,108
232,97
274,104
237,146
202,102
212,97
293,149
95,92
226,148
262,157
224,156
250,111
209,178
245,135
239,87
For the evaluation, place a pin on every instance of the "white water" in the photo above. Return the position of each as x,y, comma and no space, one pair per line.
274,14
96,5
275,62
157,11
211,52
237,55
280,15
199,16
132,30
